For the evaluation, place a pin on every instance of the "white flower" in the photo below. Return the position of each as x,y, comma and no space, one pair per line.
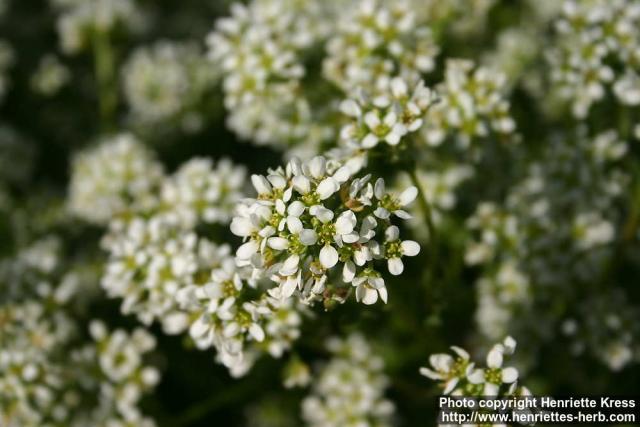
201,193
368,287
349,389
294,239
259,51
373,41
388,204
470,101
79,20
460,377
495,375
117,176
584,49
388,117
166,83
395,249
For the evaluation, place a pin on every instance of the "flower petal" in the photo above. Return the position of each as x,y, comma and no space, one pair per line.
256,332
348,271
370,296
247,250
345,222
328,256
317,167
372,120
494,358
327,188
408,196
294,224
395,265
383,294
308,237
392,233
290,266
476,377
410,248
509,375
261,184
278,243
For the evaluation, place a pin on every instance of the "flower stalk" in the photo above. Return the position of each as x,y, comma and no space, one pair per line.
104,68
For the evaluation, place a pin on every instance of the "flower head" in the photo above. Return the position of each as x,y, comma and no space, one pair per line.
313,218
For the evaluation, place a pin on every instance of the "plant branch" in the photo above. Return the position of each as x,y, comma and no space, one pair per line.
425,206
430,272
104,68
201,409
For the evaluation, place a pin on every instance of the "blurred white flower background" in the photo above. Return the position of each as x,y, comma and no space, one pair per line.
273,213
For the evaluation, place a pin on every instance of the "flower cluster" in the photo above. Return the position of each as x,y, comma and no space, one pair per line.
50,76
313,218
80,20
124,377
515,51
606,326
118,175
28,380
31,271
500,294
375,40
349,390
167,82
471,104
164,271
150,260
387,117
224,315
167,273
198,192
459,376
49,375
121,178
47,381
557,227
258,49
595,39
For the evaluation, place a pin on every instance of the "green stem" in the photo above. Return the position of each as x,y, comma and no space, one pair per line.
104,68
432,253
624,122
631,224
424,205
214,402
